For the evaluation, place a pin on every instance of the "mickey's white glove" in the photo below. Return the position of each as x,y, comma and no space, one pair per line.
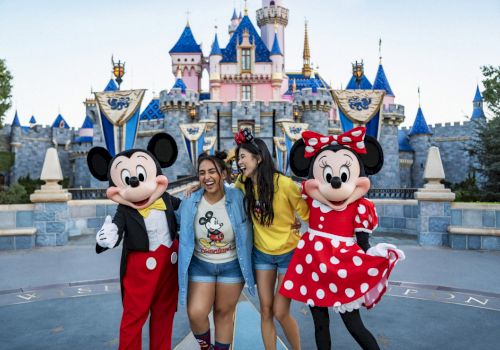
382,249
107,236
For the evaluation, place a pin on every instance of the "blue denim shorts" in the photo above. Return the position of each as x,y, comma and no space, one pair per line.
263,261
202,271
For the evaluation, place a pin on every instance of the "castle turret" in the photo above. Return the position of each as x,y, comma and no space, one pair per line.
314,104
277,68
32,122
179,107
477,112
235,21
215,58
187,56
419,136
391,116
270,15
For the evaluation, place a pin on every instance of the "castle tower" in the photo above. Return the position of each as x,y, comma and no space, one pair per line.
391,116
477,103
271,13
419,136
314,105
179,107
277,69
187,56
235,21
15,145
214,59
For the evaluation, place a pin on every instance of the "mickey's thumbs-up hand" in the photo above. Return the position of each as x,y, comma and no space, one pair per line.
107,236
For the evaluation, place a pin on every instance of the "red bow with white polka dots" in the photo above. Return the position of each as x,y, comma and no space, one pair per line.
353,139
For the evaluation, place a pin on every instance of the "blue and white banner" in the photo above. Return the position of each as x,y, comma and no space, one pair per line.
208,146
194,140
292,132
360,108
119,111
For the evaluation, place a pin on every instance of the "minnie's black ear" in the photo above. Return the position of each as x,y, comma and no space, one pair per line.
164,148
373,159
98,161
298,163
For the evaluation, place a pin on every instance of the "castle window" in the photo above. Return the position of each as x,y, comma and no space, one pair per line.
246,92
271,3
245,60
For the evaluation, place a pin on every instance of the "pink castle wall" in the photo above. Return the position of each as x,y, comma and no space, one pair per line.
191,80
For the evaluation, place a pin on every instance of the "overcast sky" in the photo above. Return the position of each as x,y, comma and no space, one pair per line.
57,50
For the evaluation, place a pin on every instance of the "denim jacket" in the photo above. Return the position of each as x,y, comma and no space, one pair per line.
243,234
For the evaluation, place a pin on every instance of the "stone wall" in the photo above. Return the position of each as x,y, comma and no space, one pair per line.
16,226
397,216
474,226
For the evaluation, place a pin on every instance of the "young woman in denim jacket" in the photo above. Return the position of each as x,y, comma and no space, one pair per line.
215,253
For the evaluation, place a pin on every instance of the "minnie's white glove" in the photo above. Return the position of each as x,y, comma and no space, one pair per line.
382,250
107,236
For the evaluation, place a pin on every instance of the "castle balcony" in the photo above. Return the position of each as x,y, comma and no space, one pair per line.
271,15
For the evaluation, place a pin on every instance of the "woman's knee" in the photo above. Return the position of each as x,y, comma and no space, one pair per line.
224,312
196,313
266,311
281,313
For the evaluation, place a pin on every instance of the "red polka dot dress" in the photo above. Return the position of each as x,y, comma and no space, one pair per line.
329,269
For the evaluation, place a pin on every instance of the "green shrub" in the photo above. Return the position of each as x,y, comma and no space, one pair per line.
15,194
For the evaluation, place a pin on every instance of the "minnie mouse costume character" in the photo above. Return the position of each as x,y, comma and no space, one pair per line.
333,265
145,221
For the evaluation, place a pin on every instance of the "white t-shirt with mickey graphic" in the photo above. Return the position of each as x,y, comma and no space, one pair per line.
214,235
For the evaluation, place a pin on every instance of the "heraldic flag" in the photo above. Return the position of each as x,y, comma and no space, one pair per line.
119,117
360,108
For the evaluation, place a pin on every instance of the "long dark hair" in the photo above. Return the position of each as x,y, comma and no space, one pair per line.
265,183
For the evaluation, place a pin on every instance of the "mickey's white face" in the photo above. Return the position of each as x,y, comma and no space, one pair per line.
136,182
336,179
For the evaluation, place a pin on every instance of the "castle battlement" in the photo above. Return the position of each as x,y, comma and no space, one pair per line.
176,99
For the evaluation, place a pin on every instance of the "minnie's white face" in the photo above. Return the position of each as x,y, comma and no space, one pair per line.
336,179
136,182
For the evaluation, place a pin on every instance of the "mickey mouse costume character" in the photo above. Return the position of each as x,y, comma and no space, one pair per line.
333,265
145,221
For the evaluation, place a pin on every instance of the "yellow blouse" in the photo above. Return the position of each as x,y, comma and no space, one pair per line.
279,238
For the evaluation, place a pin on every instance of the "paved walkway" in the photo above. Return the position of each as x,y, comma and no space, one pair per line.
68,297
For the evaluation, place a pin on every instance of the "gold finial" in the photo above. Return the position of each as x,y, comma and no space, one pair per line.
187,17
380,50
246,8
418,90
306,69
294,86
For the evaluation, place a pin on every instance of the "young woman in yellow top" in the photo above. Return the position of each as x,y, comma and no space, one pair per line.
271,201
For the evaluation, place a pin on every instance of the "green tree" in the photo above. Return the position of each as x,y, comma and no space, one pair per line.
488,146
5,90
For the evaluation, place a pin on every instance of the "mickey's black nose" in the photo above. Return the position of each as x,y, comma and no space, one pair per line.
134,181
335,182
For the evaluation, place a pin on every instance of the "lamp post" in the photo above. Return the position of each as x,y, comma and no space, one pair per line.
357,72
118,71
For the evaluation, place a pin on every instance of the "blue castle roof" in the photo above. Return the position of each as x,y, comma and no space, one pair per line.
60,122
87,123
276,46
32,120
381,82
302,82
364,85
261,51
111,86
478,97
420,126
186,43
235,16
152,111
179,84
215,47
15,121
404,142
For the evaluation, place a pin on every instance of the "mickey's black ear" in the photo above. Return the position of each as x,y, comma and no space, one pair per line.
373,159
98,161
164,148
298,163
